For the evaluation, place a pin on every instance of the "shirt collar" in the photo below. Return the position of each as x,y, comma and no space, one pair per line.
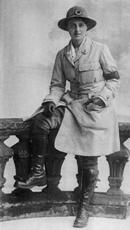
84,47
72,51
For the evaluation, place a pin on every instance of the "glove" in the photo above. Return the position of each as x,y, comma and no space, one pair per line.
49,108
95,104
98,101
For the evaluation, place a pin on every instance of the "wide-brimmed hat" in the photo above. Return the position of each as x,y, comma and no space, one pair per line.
76,12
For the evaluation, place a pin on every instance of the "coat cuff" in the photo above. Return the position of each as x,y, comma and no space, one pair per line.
103,99
106,96
54,97
49,100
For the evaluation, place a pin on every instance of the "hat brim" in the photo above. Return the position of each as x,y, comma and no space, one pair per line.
63,23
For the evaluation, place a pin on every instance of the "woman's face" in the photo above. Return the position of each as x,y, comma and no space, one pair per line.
77,30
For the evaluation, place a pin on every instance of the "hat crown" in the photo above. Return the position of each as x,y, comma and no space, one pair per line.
76,11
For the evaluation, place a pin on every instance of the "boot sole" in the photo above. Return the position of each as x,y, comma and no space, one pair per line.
31,186
79,225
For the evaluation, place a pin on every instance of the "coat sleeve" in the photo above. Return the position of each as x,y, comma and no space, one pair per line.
58,81
111,76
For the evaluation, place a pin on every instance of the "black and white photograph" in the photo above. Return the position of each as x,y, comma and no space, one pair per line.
64,114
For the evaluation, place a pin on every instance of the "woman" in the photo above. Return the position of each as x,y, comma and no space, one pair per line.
83,115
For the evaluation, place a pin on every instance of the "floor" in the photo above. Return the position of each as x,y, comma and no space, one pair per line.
65,223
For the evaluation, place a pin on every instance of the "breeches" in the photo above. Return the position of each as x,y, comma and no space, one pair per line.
42,124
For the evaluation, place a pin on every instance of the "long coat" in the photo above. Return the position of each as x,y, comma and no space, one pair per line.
86,132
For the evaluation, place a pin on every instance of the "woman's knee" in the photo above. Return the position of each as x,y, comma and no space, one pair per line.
40,124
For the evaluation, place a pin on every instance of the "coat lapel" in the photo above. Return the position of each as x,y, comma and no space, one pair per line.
83,49
68,54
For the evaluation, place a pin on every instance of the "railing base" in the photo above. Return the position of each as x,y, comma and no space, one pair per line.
36,204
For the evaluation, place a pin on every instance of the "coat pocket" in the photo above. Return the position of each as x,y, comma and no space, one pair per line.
91,66
90,73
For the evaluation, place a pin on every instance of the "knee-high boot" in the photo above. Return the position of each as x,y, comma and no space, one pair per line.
37,176
89,179
53,164
53,167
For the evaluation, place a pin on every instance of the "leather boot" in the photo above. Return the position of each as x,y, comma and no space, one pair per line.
53,164
89,179
53,167
37,176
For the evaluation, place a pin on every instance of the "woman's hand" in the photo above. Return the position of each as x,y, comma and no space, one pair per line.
95,104
98,101
49,108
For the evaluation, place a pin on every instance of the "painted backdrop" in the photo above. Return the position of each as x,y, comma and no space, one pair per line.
30,39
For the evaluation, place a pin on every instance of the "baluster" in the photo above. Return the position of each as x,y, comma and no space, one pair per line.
22,158
5,154
117,162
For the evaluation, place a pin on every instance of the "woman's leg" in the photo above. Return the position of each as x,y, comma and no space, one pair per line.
89,176
41,126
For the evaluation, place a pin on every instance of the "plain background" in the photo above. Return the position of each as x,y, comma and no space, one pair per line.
29,41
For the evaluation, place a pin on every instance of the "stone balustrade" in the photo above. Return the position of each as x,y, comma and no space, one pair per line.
21,204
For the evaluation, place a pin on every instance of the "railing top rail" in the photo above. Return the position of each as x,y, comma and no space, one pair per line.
17,125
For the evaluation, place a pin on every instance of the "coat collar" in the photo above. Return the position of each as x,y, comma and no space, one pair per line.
83,49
